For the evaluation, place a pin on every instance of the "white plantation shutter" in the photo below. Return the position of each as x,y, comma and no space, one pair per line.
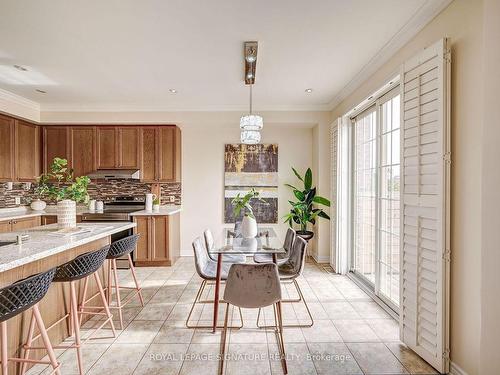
333,194
425,185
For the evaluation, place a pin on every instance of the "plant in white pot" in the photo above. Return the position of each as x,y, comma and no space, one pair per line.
40,190
242,203
66,190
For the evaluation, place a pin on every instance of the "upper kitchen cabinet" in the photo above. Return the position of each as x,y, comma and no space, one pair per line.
118,147
27,151
161,154
7,148
19,150
56,143
82,149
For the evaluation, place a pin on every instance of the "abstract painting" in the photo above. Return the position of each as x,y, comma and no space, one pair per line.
247,167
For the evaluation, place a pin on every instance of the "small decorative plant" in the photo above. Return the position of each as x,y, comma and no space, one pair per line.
156,202
243,203
305,210
64,185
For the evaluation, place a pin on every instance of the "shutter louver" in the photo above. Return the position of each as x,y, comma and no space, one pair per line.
425,184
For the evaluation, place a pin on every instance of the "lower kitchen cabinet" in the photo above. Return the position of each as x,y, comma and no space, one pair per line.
52,219
19,224
159,241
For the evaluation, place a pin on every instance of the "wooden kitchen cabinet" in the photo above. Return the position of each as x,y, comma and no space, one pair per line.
27,146
52,219
161,154
159,241
56,143
7,148
83,149
19,224
118,147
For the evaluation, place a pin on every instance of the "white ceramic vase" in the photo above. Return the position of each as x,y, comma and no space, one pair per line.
38,205
248,227
66,214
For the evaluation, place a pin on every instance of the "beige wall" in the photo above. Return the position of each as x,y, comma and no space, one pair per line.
490,281
203,137
461,21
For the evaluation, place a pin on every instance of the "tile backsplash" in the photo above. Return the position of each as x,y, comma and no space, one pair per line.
102,190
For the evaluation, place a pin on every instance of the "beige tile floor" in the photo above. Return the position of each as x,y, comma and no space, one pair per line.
351,334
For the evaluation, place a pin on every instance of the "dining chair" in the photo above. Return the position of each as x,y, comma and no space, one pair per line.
229,258
207,270
289,272
254,286
281,258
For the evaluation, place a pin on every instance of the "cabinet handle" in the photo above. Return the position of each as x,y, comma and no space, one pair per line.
14,222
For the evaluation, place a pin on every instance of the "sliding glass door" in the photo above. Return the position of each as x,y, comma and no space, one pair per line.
376,176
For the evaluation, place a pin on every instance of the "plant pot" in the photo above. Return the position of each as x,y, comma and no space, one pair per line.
305,234
156,208
38,205
248,227
66,214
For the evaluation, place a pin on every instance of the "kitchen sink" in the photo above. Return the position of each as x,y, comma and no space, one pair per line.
6,243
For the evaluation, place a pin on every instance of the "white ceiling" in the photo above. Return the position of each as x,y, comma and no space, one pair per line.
127,54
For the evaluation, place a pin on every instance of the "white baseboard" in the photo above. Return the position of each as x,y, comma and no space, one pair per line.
456,370
321,259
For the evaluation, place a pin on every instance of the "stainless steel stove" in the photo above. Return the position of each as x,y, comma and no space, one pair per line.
117,209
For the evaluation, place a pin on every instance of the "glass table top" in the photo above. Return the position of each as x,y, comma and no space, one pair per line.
266,242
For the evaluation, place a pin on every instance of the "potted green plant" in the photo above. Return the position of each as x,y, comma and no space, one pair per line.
40,191
66,190
305,209
242,203
156,204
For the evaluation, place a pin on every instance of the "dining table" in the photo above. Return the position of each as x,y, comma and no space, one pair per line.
229,242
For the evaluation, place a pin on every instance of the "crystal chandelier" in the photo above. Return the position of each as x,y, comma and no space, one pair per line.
251,125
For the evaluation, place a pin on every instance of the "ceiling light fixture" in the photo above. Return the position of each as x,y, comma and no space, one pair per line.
250,124
41,91
21,68
309,91
173,91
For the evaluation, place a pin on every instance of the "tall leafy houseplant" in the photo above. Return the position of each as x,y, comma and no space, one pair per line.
306,208
242,203
60,185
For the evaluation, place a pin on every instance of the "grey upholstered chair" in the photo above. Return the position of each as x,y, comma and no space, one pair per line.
229,258
281,258
254,286
289,272
207,270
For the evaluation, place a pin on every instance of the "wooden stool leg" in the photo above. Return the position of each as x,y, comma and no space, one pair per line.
117,291
132,269
104,302
45,338
82,305
76,326
5,356
29,341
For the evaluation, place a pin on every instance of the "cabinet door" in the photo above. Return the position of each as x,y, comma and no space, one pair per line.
144,243
167,153
83,149
27,151
128,148
148,162
56,144
6,148
107,150
46,220
20,224
160,238
5,226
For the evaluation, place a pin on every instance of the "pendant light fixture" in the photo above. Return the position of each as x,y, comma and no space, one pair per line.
250,125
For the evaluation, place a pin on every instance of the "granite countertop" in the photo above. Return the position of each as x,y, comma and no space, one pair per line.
23,213
44,242
164,211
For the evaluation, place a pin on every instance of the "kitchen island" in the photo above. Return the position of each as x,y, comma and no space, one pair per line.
47,248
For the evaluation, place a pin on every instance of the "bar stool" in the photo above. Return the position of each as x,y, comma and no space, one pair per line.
21,296
119,248
254,286
83,266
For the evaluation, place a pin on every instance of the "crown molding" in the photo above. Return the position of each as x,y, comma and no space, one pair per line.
417,22
19,100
